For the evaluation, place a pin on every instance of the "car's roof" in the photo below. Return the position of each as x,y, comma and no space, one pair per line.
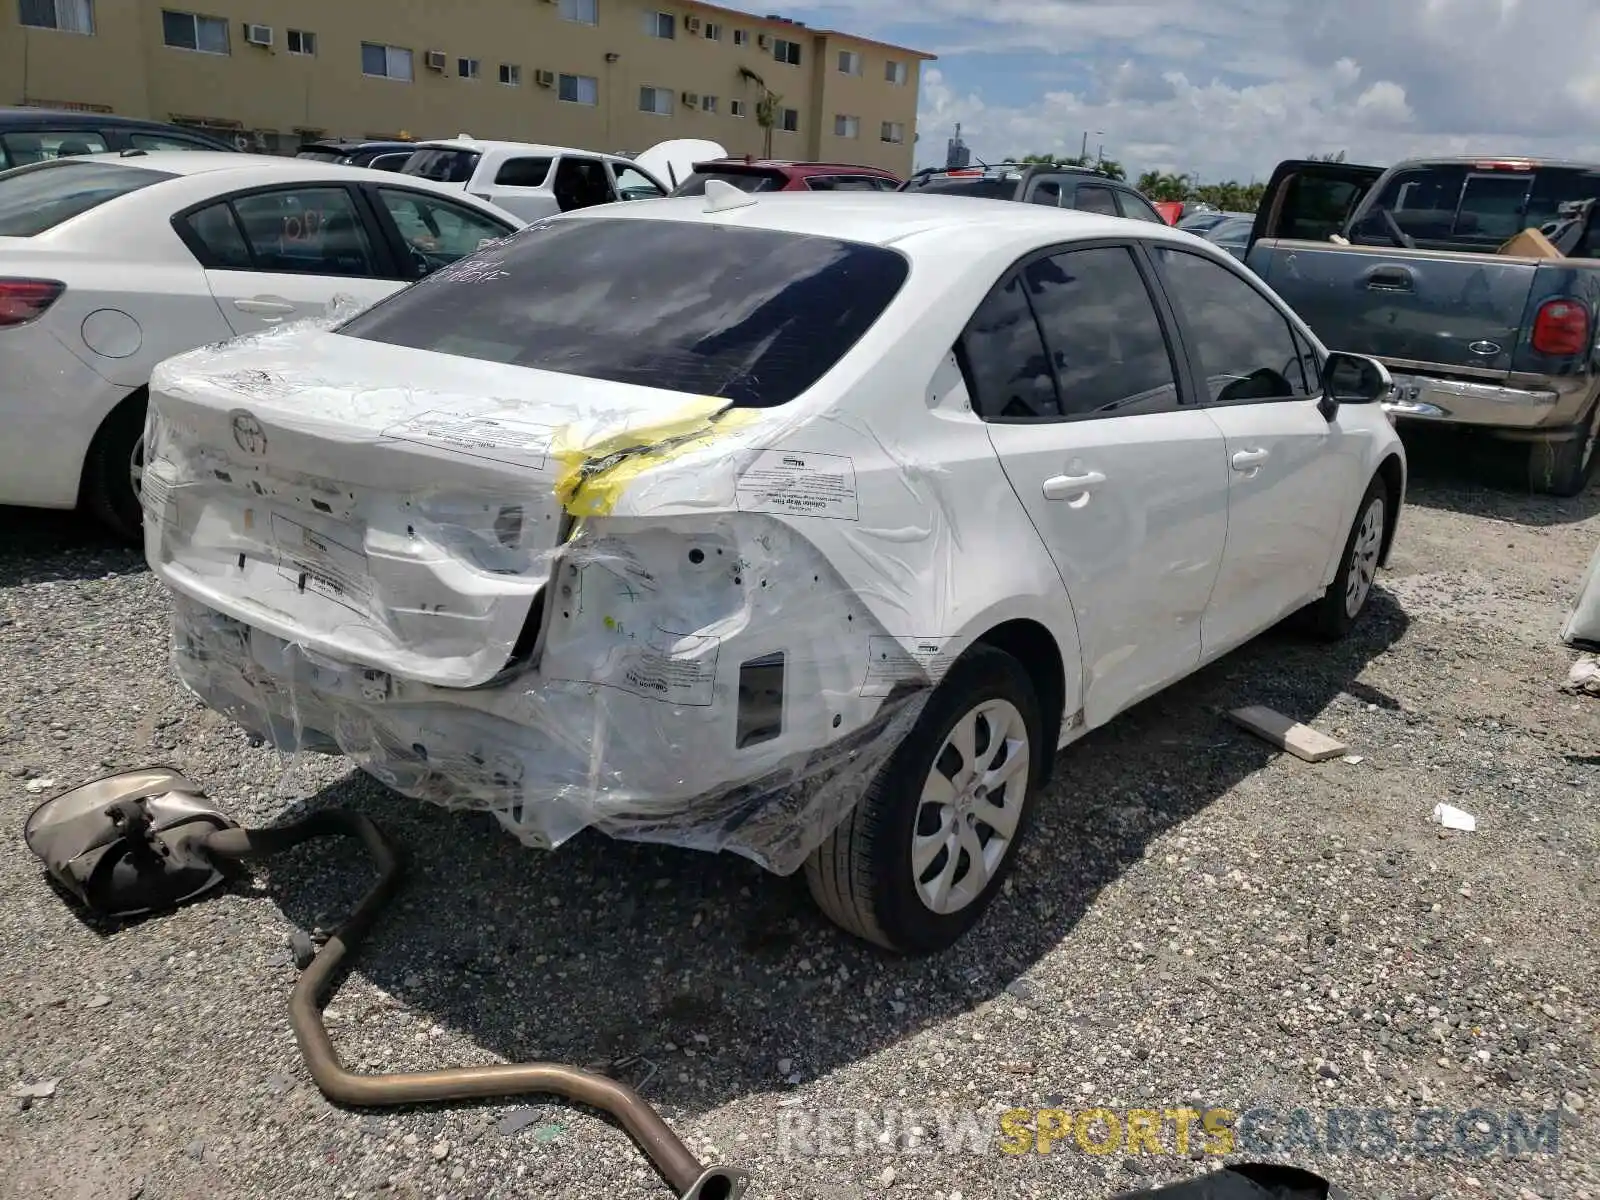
62,116
357,143
204,162
787,164
1000,170
483,146
887,218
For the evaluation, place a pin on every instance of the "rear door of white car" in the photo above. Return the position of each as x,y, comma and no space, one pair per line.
520,183
276,254
1291,476
1089,406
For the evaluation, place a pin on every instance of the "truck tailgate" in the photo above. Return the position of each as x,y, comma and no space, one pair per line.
1438,307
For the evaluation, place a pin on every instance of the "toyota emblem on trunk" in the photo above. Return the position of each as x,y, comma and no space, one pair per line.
1485,348
247,432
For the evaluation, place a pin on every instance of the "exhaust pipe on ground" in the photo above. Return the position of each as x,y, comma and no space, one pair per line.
144,840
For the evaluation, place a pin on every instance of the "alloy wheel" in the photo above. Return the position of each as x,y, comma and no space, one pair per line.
970,806
1364,558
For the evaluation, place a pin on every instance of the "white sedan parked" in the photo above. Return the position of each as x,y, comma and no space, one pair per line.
747,522
110,263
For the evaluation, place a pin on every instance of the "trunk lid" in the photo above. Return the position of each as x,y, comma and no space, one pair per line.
391,507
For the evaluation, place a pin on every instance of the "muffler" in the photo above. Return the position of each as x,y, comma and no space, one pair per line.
147,840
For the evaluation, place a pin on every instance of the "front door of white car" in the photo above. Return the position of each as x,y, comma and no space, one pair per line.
1124,477
1288,484
283,254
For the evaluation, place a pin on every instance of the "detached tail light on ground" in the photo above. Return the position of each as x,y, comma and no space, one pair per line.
1560,328
25,300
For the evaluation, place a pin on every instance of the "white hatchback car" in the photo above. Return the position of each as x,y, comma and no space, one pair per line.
531,180
111,262
807,531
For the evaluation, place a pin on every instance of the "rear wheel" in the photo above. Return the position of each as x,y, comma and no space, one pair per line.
114,470
928,847
1561,468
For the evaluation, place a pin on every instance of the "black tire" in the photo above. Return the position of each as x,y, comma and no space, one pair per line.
1331,617
108,491
1561,468
862,877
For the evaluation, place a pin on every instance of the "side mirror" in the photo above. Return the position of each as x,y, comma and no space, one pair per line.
1353,379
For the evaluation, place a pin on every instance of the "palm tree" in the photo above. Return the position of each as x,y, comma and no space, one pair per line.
767,108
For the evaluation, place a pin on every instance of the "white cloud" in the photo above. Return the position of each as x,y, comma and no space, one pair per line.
1227,88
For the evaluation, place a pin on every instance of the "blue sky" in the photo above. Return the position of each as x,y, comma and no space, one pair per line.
1227,88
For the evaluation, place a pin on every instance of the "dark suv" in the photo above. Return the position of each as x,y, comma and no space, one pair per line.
359,152
30,135
1058,185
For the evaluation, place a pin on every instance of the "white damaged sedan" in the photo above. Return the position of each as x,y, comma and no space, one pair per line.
804,531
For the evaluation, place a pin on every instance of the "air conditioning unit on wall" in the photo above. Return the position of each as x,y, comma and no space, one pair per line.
258,35
691,100
545,78
763,41
692,24
436,60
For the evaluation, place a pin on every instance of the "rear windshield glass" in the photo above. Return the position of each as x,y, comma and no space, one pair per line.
1454,205
965,185
745,181
37,198
442,166
751,315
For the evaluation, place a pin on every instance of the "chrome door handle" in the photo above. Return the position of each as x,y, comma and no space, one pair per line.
1249,460
265,308
1060,487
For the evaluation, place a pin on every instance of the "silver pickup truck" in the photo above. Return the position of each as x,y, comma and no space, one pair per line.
1401,264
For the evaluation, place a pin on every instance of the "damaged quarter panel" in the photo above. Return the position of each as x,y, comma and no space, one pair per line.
671,546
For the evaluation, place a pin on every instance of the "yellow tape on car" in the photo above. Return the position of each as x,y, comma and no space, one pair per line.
595,471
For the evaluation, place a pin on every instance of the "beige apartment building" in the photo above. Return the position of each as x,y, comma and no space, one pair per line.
600,74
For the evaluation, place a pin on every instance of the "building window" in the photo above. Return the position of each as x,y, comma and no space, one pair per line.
789,120
893,131
584,12
578,89
511,74
467,68
849,62
894,72
385,62
786,52
187,31
660,24
846,127
67,16
736,108
708,104
656,100
713,32
741,37
300,41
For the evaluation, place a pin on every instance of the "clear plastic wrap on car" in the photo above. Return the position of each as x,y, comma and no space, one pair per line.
670,626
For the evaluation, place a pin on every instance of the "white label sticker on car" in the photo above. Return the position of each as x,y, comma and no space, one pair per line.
892,660
674,668
800,484
319,564
503,438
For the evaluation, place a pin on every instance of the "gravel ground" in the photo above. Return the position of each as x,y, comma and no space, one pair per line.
1198,920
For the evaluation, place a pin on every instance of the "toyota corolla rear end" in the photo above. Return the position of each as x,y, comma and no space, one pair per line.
473,540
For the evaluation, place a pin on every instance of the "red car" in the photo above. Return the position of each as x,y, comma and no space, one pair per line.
780,175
